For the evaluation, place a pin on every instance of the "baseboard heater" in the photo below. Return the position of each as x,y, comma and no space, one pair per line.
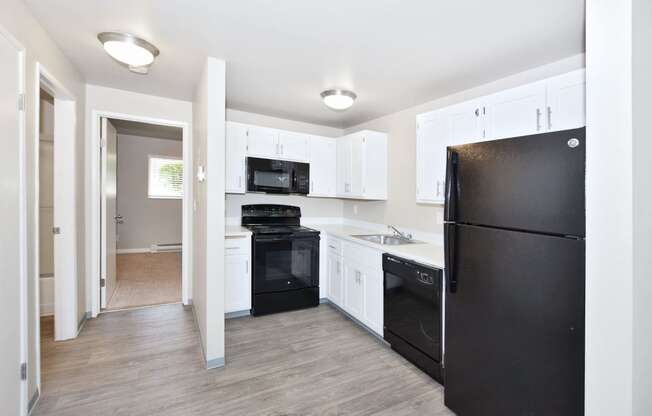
165,248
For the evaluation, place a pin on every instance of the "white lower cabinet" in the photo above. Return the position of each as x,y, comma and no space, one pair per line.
237,276
353,289
355,280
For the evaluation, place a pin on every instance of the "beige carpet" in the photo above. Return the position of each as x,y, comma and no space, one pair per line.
147,279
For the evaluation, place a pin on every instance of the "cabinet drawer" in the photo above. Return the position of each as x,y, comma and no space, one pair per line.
365,256
236,245
334,246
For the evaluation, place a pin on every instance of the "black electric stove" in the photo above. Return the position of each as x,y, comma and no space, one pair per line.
285,256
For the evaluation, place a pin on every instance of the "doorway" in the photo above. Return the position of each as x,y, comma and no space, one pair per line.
142,180
143,198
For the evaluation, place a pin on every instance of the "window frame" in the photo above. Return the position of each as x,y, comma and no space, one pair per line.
149,178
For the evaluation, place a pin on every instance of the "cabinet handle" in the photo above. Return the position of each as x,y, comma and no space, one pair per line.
538,119
247,266
312,186
438,188
277,152
333,247
549,118
281,148
239,181
477,112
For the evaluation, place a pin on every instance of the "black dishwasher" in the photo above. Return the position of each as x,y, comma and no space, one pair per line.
413,312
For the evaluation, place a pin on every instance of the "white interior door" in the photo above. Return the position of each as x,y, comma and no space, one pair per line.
10,249
109,212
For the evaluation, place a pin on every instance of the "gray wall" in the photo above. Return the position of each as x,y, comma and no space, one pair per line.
401,208
146,221
310,207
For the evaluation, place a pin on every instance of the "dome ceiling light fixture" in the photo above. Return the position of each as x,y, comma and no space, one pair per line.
129,50
338,99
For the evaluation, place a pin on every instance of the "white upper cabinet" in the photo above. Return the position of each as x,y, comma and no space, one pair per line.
432,136
353,166
516,112
362,165
323,158
292,146
566,107
262,142
553,104
236,145
465,123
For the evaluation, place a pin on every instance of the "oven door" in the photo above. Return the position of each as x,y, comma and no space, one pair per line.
285,263
268,175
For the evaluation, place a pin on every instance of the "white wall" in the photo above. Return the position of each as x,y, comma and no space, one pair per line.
642,216
619,194
17,19
208,219
111,100
146,221
401,208
310,207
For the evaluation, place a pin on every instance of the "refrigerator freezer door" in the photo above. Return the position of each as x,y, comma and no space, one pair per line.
532,183
515,326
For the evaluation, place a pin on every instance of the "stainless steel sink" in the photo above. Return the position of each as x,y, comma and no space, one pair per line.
386,239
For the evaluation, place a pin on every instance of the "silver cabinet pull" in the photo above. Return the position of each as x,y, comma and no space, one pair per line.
312,186
549,118
118,219
281,148
247,266
438,186
239,181
538,119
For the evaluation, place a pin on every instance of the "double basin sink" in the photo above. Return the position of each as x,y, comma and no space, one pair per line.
386,239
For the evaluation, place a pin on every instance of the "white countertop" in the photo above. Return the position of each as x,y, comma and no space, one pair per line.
426,253
236,231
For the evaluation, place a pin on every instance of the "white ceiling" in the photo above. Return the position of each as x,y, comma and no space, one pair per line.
156,131
281,54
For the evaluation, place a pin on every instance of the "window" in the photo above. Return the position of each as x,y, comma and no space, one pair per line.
165,178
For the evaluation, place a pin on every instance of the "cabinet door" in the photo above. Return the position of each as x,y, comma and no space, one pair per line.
516,112
293,146
373,300
335,289
566,107
343,167
466,123
236,145
262,142
323,160
237,283
357,165
432,138
353,290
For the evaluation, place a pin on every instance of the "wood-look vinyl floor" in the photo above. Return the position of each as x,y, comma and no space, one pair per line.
310,362
146,279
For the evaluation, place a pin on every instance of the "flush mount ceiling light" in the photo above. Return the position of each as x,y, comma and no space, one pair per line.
338,99
135,53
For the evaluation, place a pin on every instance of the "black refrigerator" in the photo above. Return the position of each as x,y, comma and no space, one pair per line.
515,275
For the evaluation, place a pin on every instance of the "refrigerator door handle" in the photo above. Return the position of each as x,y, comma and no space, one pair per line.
451,185
449,256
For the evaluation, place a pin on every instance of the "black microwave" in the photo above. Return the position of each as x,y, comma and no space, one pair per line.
277,176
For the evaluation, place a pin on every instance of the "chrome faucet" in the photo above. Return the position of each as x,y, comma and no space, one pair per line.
398,233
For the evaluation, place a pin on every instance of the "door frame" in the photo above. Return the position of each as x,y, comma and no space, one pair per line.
96,199
22,219
65,295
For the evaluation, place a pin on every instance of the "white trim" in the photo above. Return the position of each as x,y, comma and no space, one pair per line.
44,79
93,279
22,220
